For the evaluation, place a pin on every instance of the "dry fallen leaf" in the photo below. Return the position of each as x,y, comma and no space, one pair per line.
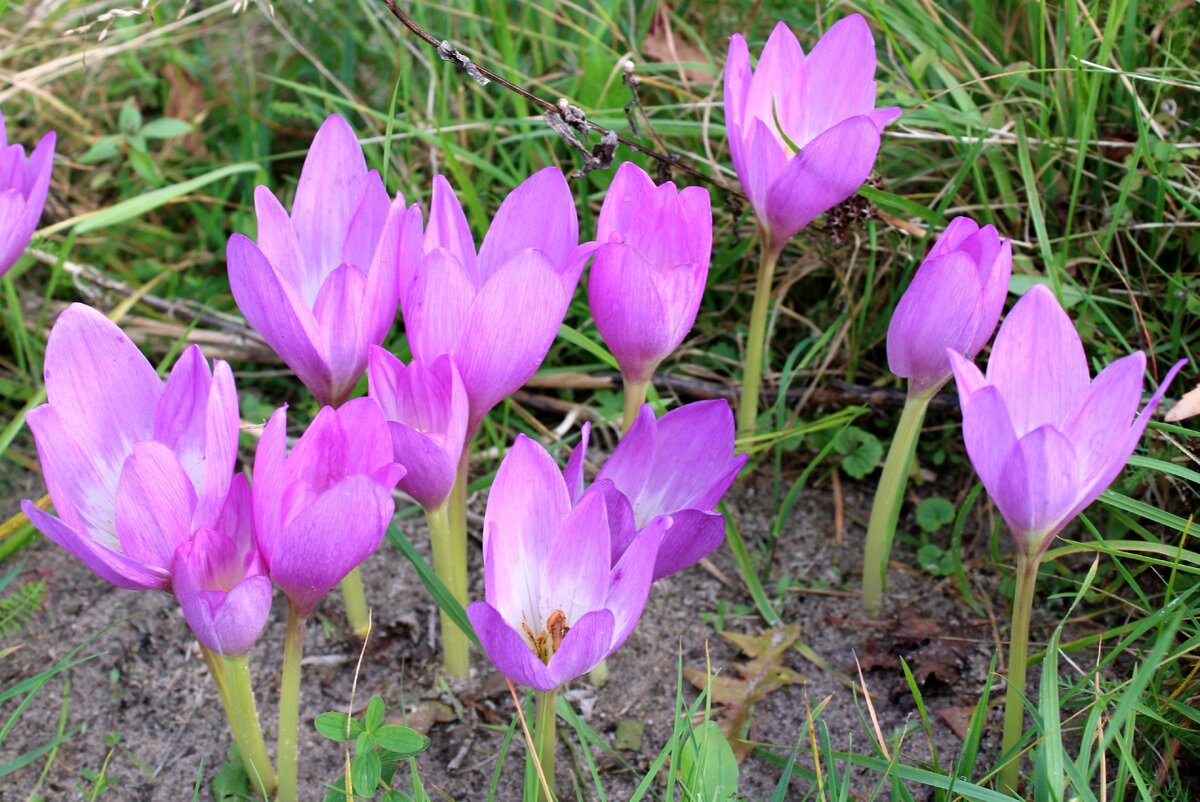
958,719
1188,406
764,672
667,46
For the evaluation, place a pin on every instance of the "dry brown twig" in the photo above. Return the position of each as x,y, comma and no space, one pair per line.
568,121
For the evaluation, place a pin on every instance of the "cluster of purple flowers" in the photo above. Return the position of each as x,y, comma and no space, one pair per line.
145,481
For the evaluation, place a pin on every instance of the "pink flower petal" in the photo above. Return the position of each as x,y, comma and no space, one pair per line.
539,214
155,502
1038,486
630,187
512,325
575,573
778,87
841,69
508,651
328,194
330,538
278,313
277,242
1037,362
87,356
339,315
109,565
589,641
526,506
438,305
448,229
633,319
629,582
827,170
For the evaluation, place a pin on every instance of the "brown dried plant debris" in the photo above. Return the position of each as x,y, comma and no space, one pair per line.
735,696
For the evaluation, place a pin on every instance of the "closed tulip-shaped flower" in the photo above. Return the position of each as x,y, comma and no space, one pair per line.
426,411
320,510
24,183
649,271
803,130
496,313
1046,438
555,605
220,581
672,470
134,466
954,301
321,285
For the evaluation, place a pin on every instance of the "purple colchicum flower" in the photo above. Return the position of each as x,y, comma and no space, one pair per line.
803,130
221,582
426,411
1045,438
954,301
322,285
322,509
556,607
496,313
134,466
675,468
649,271
24,183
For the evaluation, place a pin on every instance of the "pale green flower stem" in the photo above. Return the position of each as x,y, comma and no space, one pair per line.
1018,664
545,732
635,396
289,705
752,373
247,732
885,510
355,599
450,563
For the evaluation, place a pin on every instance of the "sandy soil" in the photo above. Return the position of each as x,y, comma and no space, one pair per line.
147,683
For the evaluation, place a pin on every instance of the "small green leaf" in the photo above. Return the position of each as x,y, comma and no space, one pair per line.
374,716
106,148
862,449
364,773
332,725
930,557
707,766
130,118
365,742
934,513
165,128
403,741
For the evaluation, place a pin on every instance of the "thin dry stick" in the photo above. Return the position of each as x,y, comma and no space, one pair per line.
537,764
350,707
572,116
871,709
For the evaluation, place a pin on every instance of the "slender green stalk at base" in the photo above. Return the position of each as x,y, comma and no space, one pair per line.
247,732
635,396
216,669
1018,663
289,705
545,737
450,563
889,495
752,373
355,598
